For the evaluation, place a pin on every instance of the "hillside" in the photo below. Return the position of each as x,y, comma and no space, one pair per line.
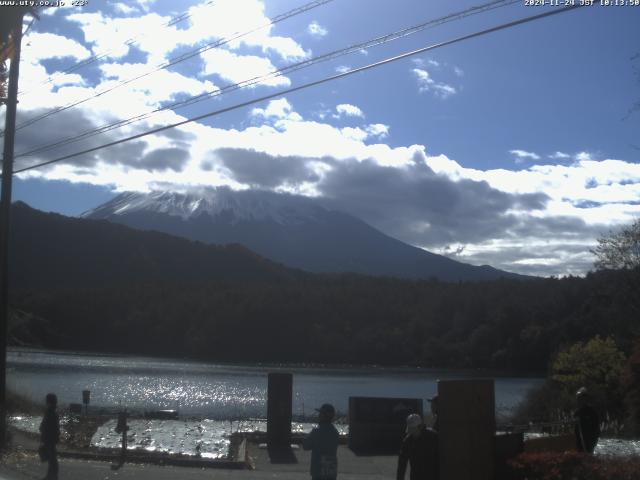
53,251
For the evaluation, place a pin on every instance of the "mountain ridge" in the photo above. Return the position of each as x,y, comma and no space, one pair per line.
52,250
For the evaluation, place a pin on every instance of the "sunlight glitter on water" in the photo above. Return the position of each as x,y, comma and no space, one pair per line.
617,446
221,391
207,438
187,395
210,438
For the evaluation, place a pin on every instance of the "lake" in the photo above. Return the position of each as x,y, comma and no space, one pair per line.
210,396
214,400
219,391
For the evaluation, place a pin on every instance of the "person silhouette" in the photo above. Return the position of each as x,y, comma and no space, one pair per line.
419,450
50,436
323,443
587,428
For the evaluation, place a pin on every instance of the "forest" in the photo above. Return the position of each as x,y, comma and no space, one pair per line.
505,324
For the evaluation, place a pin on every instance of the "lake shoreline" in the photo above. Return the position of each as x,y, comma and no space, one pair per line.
95,436
337,367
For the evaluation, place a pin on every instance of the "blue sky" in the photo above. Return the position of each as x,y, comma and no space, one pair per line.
516,149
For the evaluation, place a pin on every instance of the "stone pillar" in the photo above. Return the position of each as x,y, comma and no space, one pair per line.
279,410
467,428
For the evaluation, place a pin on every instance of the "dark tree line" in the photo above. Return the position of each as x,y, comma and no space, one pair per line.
505,324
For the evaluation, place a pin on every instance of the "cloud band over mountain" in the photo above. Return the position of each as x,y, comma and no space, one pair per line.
540,216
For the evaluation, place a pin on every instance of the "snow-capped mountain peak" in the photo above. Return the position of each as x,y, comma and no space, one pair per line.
248,205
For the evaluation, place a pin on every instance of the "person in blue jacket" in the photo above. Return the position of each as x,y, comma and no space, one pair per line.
323,443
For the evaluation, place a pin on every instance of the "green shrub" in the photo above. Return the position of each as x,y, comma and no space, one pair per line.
596,365
631,382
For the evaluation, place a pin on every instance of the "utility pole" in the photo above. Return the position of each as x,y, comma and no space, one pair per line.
5,210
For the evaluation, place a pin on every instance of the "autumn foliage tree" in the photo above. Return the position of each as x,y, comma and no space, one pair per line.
619,250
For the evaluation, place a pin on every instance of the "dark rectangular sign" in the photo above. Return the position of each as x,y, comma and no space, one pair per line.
378,424
279,409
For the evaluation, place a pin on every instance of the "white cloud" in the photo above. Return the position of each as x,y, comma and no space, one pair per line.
559,155
428,84
208,24
589,196
322,113
42,46
286,47
342,69
582,156
443,90
378,130
424,62
110,35
144,4
47,11
237,68
357,134
162,85
610,187
227,18
317,30
523,155
348,110
458,71
123,8
55,8
277,109
34,77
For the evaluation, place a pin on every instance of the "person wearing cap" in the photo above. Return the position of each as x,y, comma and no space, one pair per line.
419,450
587,427
323,443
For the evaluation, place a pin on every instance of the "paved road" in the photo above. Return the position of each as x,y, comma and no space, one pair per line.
25,466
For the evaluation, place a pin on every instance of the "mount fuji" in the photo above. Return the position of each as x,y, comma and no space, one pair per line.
293,230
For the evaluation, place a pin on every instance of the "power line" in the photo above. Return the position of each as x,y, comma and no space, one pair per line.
176,60
131,41
310,84
276,73
288,69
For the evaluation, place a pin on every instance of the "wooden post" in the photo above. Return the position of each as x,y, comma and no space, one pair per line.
5,210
